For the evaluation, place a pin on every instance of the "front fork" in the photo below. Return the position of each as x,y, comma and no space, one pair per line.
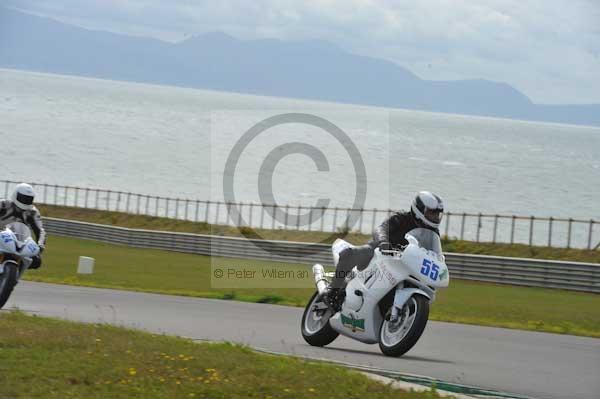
401,296
24,265
21,266
397,299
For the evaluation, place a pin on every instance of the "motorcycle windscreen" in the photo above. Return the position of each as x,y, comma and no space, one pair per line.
427,239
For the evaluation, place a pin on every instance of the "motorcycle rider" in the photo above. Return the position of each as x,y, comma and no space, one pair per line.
426,211
20,209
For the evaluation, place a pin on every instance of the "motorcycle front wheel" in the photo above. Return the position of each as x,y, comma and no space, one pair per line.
315,326
8,280
397,338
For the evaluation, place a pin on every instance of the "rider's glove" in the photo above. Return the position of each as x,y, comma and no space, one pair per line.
42,248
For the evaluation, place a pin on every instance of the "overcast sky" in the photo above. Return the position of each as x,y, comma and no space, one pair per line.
548,49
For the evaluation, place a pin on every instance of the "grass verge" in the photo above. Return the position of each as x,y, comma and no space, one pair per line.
156,223
121,267
47,358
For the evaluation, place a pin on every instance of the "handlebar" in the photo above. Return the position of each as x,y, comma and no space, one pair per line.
392,252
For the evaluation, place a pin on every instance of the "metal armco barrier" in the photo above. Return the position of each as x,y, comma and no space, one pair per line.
517,271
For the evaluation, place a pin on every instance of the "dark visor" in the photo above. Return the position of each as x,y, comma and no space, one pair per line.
434,215
24,199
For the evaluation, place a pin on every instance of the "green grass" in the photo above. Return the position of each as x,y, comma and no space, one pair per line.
158,271
137,269
155,223
47,358
525,308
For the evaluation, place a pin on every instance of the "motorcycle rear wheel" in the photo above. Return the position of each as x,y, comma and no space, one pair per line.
8,280
395,339
315,326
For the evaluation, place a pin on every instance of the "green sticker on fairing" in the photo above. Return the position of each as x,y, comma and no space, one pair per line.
443,274
352,323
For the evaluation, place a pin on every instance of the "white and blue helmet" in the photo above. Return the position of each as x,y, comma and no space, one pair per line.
23,196
428,208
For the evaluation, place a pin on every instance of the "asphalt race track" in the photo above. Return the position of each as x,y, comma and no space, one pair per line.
533,364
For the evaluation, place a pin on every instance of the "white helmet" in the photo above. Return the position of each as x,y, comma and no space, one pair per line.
23,196
428,208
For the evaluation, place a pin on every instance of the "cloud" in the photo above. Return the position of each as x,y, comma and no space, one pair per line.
550,50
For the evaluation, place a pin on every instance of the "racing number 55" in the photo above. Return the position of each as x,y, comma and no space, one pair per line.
430,269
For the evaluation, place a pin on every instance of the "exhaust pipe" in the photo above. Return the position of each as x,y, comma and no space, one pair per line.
320,281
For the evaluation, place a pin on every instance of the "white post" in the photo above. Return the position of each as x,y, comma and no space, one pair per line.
86,265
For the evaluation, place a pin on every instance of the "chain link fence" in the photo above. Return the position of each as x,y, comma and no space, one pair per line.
478,227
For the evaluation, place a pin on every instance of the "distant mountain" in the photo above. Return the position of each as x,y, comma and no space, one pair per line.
307,69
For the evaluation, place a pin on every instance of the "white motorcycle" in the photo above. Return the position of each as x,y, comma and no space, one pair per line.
16,250
387,302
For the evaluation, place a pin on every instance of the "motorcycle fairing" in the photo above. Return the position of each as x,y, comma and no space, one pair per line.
420,263
366,289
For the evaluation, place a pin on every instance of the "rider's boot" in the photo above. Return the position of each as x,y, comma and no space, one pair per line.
350,257
336,291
